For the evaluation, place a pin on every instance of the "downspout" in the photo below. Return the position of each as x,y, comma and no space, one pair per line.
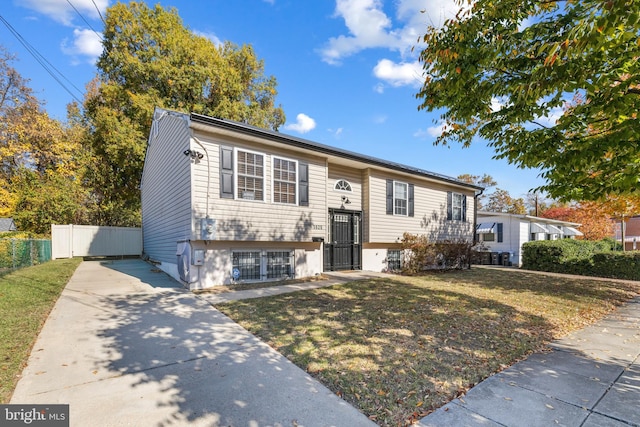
475,214
475,220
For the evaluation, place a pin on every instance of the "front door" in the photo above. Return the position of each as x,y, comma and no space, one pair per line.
343,249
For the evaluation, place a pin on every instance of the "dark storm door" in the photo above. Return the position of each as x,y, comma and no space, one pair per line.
343,250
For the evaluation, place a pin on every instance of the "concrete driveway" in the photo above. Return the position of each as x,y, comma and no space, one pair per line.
127,345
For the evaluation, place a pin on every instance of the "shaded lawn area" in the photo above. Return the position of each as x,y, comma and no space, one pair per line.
399,348
26,299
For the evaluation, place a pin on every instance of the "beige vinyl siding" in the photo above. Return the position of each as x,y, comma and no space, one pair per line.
366,201
166,194
430,216
253,220
334,197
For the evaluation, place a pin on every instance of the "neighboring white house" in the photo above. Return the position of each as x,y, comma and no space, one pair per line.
7,224
505,233
225,202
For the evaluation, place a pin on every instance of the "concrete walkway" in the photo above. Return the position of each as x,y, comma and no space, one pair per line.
126,345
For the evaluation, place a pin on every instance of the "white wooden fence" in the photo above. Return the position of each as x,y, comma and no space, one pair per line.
70,240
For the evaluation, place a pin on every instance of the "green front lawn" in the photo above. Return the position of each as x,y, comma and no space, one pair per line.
26,299
399,348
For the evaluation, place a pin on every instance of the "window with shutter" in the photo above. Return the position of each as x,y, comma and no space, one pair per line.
456,206
250,175
400,198
285,181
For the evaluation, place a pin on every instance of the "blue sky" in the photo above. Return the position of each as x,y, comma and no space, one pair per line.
347,74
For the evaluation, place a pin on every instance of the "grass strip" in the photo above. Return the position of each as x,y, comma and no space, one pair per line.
399,348
26,299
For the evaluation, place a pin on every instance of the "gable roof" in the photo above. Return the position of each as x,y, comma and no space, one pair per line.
285,139
7,224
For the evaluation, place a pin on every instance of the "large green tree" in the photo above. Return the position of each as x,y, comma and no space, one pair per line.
504,70
151,59
42,163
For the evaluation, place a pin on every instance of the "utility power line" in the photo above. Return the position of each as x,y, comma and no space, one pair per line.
57,75
85,21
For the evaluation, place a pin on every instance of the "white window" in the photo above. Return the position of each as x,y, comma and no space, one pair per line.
456,206
250,175
342,185
400,198
285,181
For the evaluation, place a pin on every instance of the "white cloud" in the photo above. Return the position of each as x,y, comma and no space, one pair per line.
552,118
380,119
430,132
85,43
497,104
335,132
303,124
402,74
208,35
378,88
61,11
370,27
436,131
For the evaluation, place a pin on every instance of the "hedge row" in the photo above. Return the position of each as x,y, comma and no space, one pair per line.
581,257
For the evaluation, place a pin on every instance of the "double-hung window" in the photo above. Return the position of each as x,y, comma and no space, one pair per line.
250,175
285,181
400,198
456,206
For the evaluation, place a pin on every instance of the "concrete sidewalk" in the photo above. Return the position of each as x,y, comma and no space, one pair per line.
591,378
126,345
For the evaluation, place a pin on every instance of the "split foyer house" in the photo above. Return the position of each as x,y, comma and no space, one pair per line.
224,202
506,233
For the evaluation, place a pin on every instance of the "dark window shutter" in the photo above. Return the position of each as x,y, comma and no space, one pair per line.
303,184
464,207
449,206
500,232
389,197
226,172
410,211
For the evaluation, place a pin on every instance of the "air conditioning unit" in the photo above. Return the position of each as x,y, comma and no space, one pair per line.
186,271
